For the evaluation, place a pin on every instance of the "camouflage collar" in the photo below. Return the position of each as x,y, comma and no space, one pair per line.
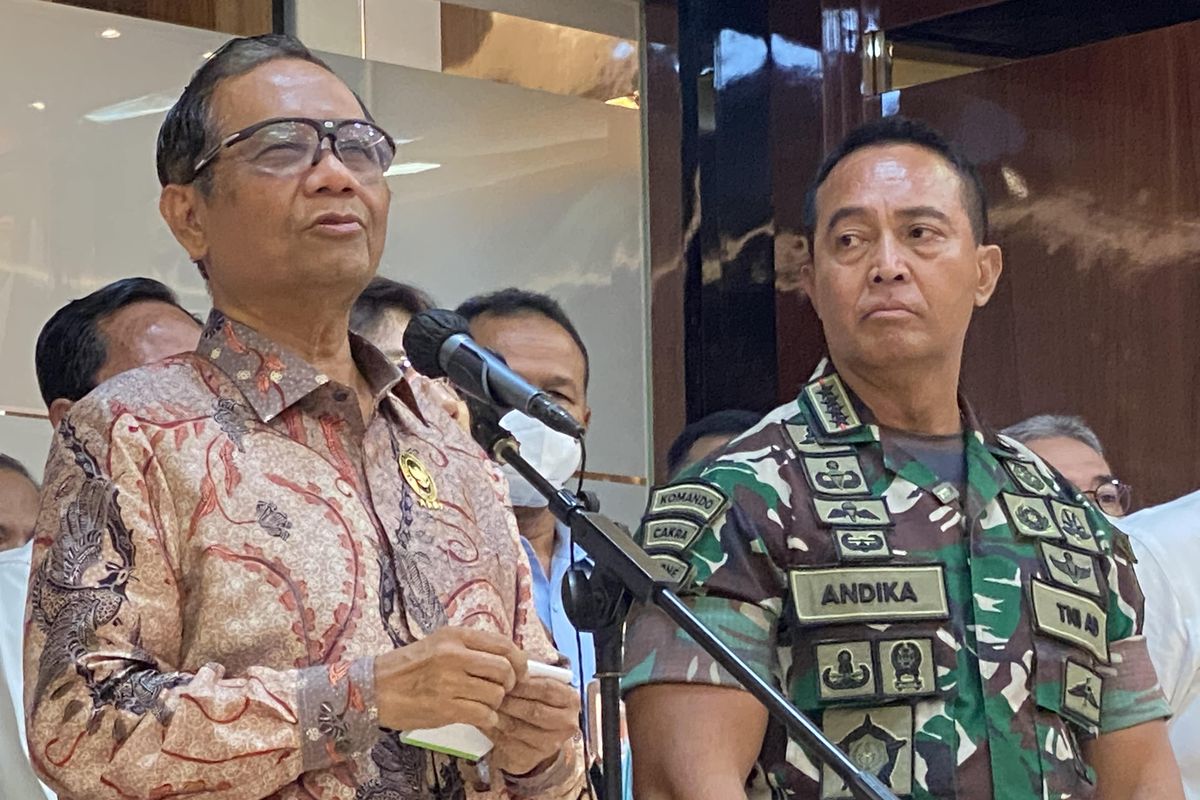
273,378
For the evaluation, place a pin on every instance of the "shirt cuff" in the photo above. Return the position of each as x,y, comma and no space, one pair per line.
658,651
1131,694
339,719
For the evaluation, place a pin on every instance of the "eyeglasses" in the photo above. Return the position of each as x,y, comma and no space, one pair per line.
1112,496
287,146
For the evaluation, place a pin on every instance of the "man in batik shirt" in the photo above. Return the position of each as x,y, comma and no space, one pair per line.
257,564
955,616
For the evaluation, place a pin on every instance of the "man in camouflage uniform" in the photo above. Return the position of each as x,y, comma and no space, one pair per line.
955,615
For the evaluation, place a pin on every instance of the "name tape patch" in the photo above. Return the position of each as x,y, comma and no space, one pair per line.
869,594
1070,617
703,500
676,569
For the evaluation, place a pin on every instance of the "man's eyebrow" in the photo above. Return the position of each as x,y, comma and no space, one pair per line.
923,211
842,213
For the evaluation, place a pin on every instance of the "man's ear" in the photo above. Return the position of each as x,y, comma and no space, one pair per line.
806,277
990,265
58,409
183,208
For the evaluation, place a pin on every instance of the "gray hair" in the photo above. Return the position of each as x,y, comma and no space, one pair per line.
1049,426
10,464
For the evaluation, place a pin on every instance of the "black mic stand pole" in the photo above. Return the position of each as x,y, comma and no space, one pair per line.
631,574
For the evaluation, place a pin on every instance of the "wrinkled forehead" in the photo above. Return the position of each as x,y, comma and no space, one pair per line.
887,176
284,87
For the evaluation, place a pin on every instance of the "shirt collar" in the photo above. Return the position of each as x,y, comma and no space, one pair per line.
273,378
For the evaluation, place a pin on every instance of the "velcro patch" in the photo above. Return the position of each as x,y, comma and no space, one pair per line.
1073,522
697,498
865,513
673,533
1030,516
1083,694
806,443
845,670
840,476
906,668
830,595
1028,477
861,545
1072,569
1071,617
878,740
831,405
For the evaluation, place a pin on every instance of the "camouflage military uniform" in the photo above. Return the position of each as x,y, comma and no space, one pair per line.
956,646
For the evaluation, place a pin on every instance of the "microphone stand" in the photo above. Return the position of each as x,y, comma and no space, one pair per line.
625,573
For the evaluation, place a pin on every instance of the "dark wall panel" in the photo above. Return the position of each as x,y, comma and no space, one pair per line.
1092,160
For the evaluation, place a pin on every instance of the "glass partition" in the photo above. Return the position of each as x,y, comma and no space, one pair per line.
494,186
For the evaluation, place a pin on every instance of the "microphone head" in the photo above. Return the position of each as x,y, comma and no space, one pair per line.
425,335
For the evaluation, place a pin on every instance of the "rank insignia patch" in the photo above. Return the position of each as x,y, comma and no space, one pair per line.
865,513
861,545
906,668
1072,569
1030,516
836,475
878,740
845,670
831,405
1075,526
1082,693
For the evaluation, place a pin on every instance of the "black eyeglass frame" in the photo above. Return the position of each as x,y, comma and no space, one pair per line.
325,128
1124,493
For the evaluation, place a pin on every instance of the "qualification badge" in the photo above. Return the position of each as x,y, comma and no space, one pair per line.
417,476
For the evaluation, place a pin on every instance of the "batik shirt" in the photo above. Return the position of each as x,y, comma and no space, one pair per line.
224,546
955,644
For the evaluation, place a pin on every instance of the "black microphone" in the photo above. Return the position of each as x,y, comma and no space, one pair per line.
439,344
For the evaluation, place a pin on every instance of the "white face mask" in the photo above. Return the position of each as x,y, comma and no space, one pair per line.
551,453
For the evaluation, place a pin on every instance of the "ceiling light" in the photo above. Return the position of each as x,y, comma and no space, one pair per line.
38,105
207,56
110,33
625,101
409,168
143,106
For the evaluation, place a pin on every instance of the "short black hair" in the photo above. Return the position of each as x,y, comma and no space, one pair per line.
10,464
382,295
729,422
71,349
513,301
189,130
901,130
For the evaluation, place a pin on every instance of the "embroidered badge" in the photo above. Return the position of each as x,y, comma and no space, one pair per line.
868,594
419,480
866,513
804,441
906,668
674,533
1071,617
674,568
1073,522
836,475
700,499
1030,516
1028,478
861,545
1082,693
1072,569
831,405
845,670
878,740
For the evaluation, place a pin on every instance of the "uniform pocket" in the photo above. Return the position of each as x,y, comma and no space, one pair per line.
1069,694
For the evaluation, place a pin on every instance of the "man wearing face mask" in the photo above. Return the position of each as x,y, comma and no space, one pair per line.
537,339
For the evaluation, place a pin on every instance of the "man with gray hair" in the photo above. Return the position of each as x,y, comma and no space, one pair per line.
258,565
1074,449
